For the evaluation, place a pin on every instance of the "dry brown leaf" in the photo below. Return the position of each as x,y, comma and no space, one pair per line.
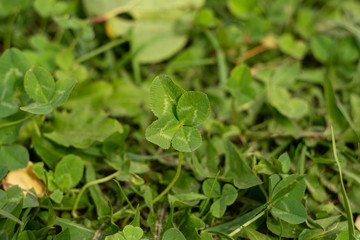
26,179
357,222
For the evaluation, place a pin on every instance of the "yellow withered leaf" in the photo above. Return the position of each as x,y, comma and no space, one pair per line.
26,179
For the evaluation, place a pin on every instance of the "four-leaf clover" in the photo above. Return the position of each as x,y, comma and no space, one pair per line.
179,113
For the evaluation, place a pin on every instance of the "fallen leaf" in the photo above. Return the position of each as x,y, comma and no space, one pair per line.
357,222
26,179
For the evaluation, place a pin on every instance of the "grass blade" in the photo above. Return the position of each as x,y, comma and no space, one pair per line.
351,227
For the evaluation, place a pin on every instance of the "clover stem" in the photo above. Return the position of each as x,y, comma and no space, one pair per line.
98,181
177,175
8,124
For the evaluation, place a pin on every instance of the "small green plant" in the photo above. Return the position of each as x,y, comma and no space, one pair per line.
80,155
224,196
128,233
179,113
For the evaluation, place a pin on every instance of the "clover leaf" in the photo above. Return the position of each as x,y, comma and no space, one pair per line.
179,112
227,197
40,85
129,233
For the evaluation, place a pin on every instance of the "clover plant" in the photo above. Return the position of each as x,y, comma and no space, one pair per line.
179,113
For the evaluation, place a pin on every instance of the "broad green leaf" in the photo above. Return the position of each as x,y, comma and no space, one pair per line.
285,186
116,236
9,131
98,92
156,40
155,36
44,7
3,171
185,182
10,216
294,48
230,226
193,108
236,168
65,59
8,105
64,235
38,108
280,98
173,234
285,75
13,65
346,50
153,40
185,199
252,234
206,236
57,196
284,229
239,84
321,47
324,223
125,100
186,139
27,235
82,127
284,162
148,198
242,8
95,192
69,171
315,188
305,22
140,10
336,117
207,186
229,194
205,18
8,8
218,208
136,220
39,84
345,235
353,195
290,210
298,192
48,151
192,225
30,201
9,225
240,77
162,131
164,95
309,234
132,233
62,91
14,156
77,231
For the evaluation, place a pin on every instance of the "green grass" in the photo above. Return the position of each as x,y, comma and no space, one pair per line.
193,119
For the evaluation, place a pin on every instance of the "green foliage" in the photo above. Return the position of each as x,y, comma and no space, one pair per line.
179,112
129,233
173,234
14,156
13,67
90,126
69,171
78,83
